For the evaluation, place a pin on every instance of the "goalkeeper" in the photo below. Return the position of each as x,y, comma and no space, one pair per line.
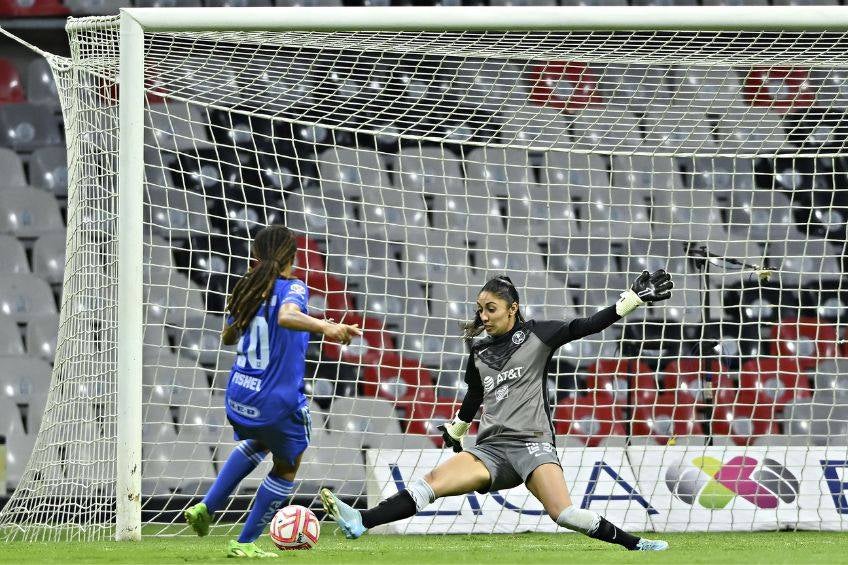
507,371
265,402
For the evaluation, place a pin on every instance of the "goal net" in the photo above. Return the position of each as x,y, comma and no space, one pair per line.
414,165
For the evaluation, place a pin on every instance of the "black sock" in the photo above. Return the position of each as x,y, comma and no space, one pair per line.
611,533
396,507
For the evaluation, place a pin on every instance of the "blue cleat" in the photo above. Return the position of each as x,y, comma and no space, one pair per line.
651,545
349,519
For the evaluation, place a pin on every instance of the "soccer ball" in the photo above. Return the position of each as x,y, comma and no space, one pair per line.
295,527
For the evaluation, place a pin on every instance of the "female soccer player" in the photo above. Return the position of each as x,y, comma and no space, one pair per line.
264,399
515,444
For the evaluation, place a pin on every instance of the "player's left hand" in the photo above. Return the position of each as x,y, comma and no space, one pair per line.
653,287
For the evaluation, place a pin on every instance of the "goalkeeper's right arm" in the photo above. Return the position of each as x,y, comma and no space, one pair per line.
455,430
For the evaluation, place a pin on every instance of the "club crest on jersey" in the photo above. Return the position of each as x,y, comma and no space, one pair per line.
297,289
519,337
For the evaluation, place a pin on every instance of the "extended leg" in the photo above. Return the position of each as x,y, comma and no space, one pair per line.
548,485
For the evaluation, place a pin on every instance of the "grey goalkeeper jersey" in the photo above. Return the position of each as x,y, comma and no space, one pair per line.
508,375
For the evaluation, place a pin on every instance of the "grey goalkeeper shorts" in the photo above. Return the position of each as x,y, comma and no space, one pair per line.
510,460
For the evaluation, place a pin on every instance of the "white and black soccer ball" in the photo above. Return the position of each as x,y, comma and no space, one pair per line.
295,527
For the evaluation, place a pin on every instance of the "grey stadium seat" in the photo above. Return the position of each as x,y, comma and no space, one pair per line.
40,84
238,3
370,417
48,257
200,338
180,467
96,7
676,131
354,171
175,213
10,337
13,170
26,127
751,130
637,86
176,302
28,213
392,215
427,170
800,261
13,258
606,130
41,336
498,168
19,443
24,378
322,213
712,89
24,297
48,170
543,128
175,126
436,341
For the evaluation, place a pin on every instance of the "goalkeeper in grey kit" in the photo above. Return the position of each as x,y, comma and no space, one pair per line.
506,372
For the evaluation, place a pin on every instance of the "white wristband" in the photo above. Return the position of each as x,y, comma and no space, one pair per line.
457,428
627,302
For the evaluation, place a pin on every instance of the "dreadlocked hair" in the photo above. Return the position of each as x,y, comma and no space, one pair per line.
501,287
273,250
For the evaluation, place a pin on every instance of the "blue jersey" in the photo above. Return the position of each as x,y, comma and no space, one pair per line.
266,381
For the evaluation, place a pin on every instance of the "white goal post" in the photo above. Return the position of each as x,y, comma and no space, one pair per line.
716,38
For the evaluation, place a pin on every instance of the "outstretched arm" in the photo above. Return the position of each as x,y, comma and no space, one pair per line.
647,288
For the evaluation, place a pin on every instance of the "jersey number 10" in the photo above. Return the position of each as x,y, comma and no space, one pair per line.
253,348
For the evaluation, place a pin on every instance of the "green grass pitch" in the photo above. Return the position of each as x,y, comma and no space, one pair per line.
561,549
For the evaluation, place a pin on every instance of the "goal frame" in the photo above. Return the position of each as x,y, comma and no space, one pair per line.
134,22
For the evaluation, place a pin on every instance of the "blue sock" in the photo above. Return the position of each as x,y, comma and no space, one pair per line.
271,495
244,459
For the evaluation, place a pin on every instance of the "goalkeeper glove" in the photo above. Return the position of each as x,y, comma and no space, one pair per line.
453,432
649,287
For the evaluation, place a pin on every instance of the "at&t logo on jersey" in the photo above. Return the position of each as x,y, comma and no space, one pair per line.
491,382
488,383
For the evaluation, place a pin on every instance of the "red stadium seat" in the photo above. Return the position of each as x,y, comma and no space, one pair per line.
369,349
688,376
780,379
25,8
667,417
403,381
426,416
805,339
308,256
11,89
616,376
743,415
579,83
779,88
591,418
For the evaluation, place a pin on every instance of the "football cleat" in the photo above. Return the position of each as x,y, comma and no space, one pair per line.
651,545
249,550
349,519
198,518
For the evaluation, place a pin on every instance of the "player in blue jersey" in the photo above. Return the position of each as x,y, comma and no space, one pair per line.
265,402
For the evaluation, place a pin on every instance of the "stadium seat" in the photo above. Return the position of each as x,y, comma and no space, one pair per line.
177,213
781,379
10,338
826,299
392,300
25,380
199,339
211,172
569,86
628,381
370,417
427,170
743,415
752,130
803,261
371,347
175,382
333,461
175,302
759,215
688,376
712,89
24,297
778,89
454,298
40,84
30,8
19,443
545,127
11,85
355,172
813,422
48,257
13,258
426,416
172,127
665,418
636,86
48,170
322,214
26,127
437,340
400,380
96,7
497,169
13,170
677,131
27,213
391,215
806,339
591,418
176,468
41,336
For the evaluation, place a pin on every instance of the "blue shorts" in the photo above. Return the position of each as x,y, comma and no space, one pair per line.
286,439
